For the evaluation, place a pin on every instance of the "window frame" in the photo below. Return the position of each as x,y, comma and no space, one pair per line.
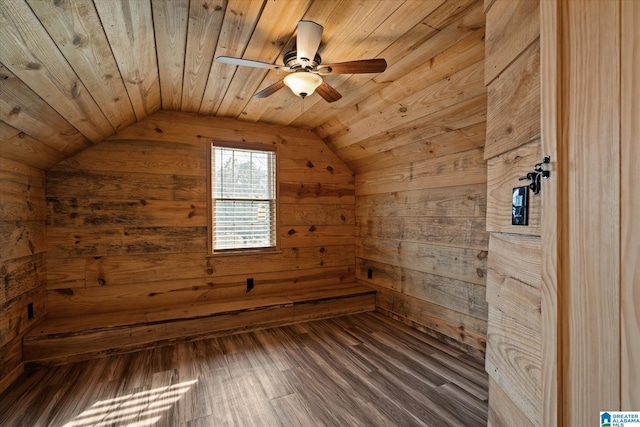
211,252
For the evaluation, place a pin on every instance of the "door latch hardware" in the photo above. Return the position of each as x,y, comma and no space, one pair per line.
539,171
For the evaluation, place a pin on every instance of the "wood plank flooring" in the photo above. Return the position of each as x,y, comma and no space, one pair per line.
357,370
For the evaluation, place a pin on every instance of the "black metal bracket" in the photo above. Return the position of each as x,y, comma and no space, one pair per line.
537,174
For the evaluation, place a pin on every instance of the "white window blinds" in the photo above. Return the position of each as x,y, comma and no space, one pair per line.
244,198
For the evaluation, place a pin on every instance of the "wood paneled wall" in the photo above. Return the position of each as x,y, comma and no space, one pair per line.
420,229
423,245
421,193
127,219
514,336
416,149
22,260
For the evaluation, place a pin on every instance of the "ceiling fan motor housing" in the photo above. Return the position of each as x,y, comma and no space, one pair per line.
291,61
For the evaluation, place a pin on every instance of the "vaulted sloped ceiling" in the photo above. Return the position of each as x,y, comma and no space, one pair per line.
74,72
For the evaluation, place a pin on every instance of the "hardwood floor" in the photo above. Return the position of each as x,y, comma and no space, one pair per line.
357,370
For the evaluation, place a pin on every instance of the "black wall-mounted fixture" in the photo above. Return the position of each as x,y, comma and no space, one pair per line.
539,171
520,206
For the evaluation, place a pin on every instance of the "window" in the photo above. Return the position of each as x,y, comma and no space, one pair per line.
243,194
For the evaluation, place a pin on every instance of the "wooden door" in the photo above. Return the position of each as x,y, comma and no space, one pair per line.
590,227
630,206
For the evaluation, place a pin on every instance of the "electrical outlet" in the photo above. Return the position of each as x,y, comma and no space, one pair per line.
249,283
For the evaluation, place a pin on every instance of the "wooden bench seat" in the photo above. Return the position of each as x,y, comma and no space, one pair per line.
75,338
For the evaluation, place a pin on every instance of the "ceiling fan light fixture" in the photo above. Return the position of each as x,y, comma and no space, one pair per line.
306,74
303,83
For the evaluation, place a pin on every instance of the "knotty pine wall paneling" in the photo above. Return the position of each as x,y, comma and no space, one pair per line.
22,260
422,243
416,148
127,219
514,283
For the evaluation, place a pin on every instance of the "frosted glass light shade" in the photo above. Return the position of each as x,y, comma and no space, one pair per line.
303,83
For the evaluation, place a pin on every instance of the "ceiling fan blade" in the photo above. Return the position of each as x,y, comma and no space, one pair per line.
354,67
250,63
328,93
270,90
308,40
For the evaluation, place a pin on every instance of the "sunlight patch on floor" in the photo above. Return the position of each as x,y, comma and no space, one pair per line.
139,409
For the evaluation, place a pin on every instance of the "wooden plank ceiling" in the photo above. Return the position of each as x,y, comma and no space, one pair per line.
74,72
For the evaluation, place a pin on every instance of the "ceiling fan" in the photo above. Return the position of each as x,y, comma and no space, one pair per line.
305,67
